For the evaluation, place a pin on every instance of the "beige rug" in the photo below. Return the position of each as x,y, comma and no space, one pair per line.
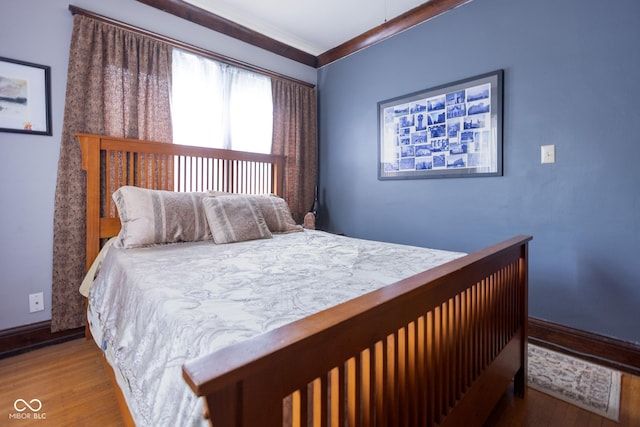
586,385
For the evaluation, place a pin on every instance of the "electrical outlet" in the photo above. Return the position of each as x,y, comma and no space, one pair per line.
36,302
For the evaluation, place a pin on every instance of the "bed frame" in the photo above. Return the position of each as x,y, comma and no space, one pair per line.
438,348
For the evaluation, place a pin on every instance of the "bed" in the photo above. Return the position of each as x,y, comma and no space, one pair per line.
377,334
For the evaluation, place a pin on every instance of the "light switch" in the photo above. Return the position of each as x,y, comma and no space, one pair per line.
548,154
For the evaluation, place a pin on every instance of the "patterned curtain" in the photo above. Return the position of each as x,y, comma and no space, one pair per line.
295,136
118,84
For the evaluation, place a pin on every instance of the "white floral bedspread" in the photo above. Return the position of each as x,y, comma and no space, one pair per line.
159,307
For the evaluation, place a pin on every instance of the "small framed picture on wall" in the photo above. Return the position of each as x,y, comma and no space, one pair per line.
25,97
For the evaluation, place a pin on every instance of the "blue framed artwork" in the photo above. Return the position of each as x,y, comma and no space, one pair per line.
449,131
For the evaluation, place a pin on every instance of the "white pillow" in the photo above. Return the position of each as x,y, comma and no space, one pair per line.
275,211
235,219
155,216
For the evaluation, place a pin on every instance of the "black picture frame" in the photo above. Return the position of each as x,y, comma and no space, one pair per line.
25,97
449,131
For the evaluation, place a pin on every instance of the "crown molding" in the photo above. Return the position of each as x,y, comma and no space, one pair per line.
411,18
224,26
401,23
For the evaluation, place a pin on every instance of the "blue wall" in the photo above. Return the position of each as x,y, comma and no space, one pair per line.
571,79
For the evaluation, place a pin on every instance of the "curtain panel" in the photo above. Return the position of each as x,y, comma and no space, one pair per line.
295,136
118,84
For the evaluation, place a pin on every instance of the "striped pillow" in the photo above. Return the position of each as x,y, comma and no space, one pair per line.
275,211
235,219
155,216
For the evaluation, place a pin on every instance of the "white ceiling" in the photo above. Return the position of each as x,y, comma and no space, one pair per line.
310,25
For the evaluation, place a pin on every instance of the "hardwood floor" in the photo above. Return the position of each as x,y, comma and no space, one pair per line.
74,388
540,410
69,379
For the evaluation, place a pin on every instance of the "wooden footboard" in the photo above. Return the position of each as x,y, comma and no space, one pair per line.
439,348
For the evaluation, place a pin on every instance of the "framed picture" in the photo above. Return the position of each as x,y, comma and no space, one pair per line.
25,97
454,130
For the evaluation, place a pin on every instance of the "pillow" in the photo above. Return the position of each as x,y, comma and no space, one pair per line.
156,216
275,211
235,219
276,214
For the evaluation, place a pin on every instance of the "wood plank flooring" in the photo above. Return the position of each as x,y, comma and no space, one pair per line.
540,410
69,379
75,390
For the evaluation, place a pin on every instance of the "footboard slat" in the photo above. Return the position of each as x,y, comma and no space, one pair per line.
324,390
435,349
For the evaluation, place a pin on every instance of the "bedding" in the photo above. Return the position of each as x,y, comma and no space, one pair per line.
91,274
154,308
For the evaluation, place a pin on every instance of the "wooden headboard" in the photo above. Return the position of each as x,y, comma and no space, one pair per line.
113,162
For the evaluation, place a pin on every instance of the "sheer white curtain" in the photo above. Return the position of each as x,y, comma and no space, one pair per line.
250,111
221,106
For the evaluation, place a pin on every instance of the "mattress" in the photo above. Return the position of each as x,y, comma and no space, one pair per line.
152,309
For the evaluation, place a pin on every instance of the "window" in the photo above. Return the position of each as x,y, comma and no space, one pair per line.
219,105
